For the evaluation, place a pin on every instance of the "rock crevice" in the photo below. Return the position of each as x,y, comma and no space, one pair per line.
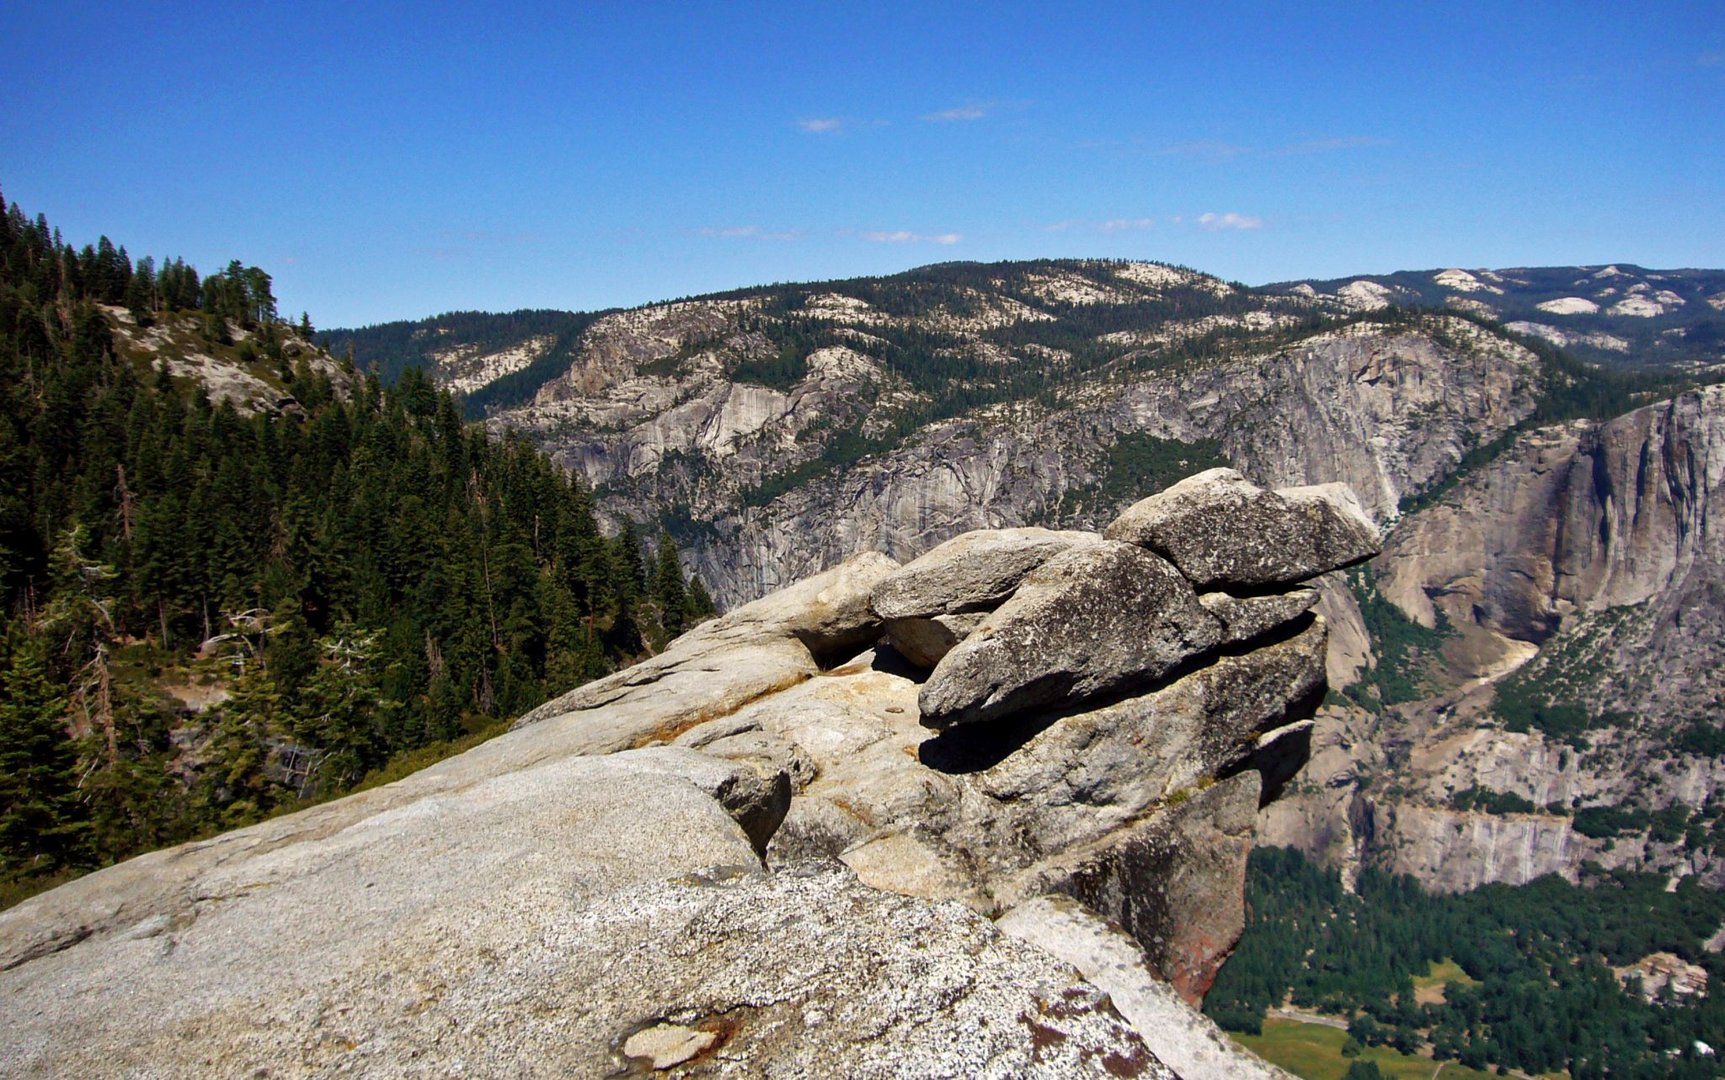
746,855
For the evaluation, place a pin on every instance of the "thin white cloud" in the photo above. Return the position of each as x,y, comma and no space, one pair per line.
1229,220
961,112
1206,150
905,236
1112,225
1340,142
821,125
1215,151
749,232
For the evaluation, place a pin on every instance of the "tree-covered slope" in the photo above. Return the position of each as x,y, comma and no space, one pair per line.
1539,977
236,576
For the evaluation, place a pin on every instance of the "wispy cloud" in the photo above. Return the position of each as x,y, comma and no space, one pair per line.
961,112
821,125
1112,225
749,232
905,236
1215,151
1340,142
1206,150
1230,220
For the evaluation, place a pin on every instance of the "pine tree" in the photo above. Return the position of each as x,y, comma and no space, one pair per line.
41,826
236,784
700,606
670,591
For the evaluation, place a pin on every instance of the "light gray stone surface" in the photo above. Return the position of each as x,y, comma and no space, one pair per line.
757,649
1222,530
924,641
587,895
1189,1044
310,950
974,571
1092,621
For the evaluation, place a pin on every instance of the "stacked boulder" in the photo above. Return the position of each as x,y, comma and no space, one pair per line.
866,826
1108,712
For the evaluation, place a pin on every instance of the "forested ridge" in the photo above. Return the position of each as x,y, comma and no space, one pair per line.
213,610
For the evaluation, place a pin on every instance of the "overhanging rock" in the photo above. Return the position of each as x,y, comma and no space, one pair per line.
586,894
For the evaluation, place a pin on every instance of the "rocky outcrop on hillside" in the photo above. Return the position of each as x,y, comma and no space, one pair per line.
758,853
1584,570
248,369
1608,313
794,426
1387,410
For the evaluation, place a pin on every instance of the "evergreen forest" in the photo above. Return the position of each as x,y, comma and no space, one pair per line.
1533,986
217,611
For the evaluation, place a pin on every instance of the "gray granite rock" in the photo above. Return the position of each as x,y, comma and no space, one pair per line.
1222,530
1176,881
587,894
1246,618
974,571
1192,1046
1094,620
925,640
602,918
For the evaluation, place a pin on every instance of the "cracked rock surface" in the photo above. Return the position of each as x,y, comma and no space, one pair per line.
587,894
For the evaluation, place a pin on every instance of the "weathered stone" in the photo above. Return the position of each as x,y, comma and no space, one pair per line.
1192,1046
795,974
1245,618
756,798
1091,621
291,940
1222,530
775,642
461,919
747,743
1125,757
664,1045
1176,883
974,571
923,641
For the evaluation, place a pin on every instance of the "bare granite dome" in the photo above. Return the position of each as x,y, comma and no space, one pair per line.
783,847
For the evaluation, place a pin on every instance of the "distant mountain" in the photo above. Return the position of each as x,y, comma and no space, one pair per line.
1525,682
1608,314
776,430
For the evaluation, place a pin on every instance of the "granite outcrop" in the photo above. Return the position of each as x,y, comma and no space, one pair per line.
761,852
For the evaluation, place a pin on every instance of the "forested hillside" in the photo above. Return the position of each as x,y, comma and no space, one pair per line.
237,576
1501,976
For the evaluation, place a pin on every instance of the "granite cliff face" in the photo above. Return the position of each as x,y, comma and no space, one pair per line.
767,851
1583,568
792,427
1387,409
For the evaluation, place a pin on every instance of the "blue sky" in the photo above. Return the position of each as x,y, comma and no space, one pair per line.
387,161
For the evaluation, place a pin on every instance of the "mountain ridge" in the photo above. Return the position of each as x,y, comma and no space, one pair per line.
785,429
